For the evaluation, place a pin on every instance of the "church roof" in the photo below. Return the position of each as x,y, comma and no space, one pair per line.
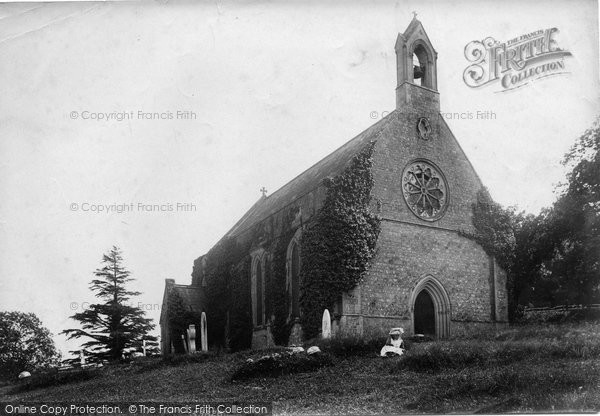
307,181
190,296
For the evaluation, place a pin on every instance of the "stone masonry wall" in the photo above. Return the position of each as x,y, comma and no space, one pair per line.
400,143
407,253
410,248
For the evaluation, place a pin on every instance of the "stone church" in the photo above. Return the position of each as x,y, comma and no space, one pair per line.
426,275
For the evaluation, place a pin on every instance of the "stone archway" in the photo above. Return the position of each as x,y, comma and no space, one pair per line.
430,308
424,314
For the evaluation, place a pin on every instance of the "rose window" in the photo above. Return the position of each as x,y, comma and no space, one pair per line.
424,189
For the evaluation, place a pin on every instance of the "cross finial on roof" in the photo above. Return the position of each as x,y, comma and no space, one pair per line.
263,190
414,15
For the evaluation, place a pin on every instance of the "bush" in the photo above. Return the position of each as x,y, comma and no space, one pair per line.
279,364
352,346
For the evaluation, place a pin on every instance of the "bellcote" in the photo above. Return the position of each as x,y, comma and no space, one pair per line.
416,66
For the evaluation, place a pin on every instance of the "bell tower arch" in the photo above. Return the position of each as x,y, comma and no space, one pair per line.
416,66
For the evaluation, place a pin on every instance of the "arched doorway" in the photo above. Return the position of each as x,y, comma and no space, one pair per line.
421,63
424,314
430,308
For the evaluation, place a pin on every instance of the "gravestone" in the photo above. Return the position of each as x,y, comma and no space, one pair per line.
185,346
296,335
192,339
81,357
144,346
335,327
203,333
326,325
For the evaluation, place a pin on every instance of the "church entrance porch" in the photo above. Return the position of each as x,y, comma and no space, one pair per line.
430,308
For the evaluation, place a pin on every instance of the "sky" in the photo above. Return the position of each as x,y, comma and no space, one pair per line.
248,94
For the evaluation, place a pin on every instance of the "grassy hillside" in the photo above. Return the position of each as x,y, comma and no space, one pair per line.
551,368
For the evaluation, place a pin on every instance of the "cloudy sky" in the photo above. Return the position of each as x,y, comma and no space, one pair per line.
269,88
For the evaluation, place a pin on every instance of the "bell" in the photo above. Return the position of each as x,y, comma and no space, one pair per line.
418,71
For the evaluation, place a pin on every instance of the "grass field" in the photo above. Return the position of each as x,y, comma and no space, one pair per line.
542,369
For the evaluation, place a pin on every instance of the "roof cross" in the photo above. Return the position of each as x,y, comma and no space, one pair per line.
263,190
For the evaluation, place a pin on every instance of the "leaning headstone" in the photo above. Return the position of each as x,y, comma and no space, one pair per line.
326,325
185,346
203,334
192,339
24,374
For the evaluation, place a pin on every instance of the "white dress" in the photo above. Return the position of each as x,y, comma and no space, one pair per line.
395,347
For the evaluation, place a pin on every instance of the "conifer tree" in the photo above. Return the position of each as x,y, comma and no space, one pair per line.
113,325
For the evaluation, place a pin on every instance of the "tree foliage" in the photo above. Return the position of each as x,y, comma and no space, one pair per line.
25,344
558,256
572,262
551,258
113,325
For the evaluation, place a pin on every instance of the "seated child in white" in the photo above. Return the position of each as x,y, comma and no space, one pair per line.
394,344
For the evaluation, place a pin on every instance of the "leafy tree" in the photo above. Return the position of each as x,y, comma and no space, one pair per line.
574,225
112,325
25,345
558,251
532,246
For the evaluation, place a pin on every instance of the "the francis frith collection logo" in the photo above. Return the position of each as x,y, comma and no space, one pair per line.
514,63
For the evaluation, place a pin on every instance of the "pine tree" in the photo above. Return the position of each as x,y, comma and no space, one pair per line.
113,325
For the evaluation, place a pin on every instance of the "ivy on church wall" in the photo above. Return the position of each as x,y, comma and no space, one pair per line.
240,317
227,294
339,243
336,248
228,288
494,229
495,233
278,298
